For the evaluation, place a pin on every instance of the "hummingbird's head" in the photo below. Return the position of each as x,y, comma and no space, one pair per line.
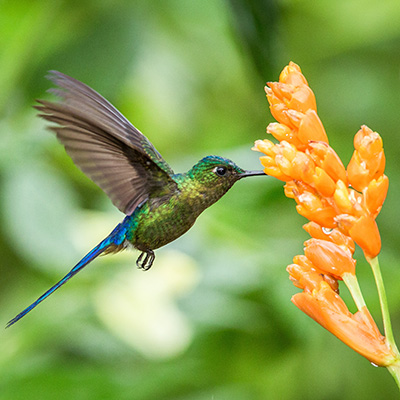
217,174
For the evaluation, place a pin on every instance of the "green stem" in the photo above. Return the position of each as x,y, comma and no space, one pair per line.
387,325
351,282
395,372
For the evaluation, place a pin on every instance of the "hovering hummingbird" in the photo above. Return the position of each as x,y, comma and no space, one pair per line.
159,205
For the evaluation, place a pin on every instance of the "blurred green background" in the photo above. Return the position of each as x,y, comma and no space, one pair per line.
213,318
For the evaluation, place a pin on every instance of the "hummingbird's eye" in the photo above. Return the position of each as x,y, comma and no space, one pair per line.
220,171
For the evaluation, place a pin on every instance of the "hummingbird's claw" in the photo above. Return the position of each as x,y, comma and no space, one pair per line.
146,263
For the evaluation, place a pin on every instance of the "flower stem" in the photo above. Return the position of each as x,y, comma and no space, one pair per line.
387,325
351,282
394,370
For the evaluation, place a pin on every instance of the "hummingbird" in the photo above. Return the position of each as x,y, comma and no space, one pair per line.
159,205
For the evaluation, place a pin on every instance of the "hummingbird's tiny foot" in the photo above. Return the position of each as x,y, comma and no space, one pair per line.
146,263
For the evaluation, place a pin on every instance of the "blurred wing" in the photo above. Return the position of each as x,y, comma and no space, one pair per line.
105,145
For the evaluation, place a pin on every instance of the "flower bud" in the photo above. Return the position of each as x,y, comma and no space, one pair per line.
365,233
292,74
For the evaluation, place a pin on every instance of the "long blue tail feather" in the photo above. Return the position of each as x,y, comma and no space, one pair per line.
100,248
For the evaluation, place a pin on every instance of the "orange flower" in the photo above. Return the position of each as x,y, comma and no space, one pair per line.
358,330
314,174
341,205
320,300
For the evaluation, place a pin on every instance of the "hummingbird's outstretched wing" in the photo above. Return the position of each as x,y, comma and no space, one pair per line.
105,145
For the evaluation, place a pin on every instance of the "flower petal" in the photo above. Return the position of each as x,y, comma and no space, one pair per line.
323,183
329,257
311,128
375,194
342,198
329,310
324,216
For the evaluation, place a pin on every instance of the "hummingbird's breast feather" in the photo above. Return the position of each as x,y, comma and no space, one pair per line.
160,221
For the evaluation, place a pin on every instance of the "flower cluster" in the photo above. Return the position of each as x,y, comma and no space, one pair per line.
340,203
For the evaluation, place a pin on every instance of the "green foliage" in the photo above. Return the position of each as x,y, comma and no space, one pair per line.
212,318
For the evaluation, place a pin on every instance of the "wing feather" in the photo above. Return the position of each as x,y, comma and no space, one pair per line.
105,145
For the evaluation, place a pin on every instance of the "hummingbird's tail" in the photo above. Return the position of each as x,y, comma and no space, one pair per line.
111,243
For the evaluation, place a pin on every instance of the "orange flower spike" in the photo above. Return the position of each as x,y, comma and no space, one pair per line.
329,310
333,235
375,194
327,159
365,233
329,257
311,128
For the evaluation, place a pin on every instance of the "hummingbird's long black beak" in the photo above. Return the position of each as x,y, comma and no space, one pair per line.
251,173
